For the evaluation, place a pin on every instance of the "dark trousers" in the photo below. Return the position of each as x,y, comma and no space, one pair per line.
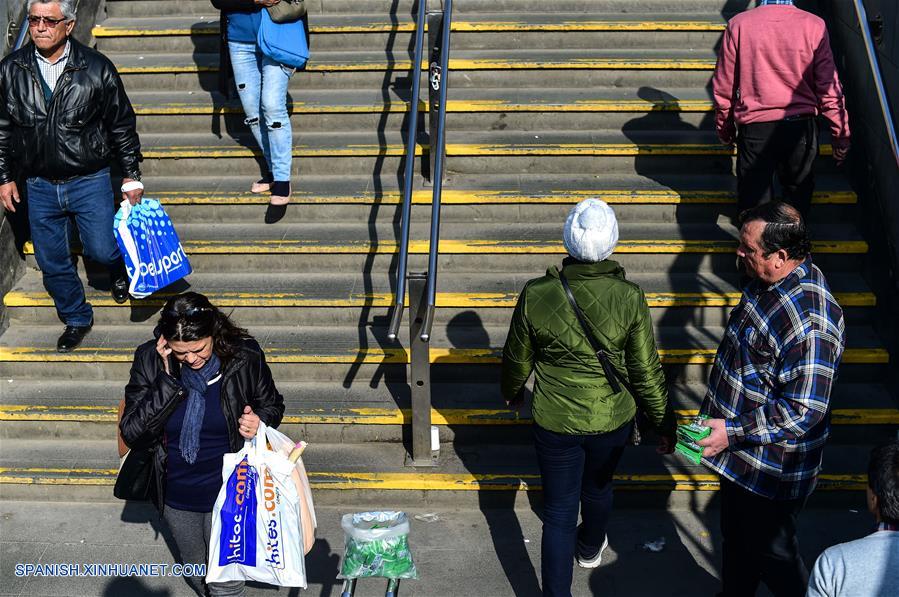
50,206
576,470
787,148
760,544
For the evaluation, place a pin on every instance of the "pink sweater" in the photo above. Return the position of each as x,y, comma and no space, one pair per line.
775,62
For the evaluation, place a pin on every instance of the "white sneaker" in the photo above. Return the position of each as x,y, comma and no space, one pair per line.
596,560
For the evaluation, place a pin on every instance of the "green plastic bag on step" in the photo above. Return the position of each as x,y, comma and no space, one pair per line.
377,545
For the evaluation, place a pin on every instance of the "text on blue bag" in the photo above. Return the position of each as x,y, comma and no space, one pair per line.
237,542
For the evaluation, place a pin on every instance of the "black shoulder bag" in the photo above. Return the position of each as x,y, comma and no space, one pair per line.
614,377
136,479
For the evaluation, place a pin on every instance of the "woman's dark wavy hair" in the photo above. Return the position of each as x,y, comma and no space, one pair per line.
190,316
784,229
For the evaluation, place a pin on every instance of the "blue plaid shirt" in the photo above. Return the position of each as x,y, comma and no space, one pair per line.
771,382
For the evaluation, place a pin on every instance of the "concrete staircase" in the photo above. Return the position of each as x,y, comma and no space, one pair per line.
601,98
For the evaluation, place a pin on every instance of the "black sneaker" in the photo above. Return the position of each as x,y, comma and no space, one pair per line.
120,290
72,337
586,558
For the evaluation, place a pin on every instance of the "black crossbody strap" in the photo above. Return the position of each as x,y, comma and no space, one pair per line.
612,374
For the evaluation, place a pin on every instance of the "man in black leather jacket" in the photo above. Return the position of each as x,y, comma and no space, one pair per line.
64,116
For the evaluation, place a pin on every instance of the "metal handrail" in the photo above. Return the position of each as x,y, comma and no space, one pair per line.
399,302
878,78
22,33
439,159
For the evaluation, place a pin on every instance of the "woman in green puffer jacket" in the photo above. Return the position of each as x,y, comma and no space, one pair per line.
581,423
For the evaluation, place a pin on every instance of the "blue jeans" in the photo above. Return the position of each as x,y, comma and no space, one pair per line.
90,200
576,470
262,88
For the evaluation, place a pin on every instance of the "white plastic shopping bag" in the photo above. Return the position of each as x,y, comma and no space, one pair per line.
153,255
284,445
256,527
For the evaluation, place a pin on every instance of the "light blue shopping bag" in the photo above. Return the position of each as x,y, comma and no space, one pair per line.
150,247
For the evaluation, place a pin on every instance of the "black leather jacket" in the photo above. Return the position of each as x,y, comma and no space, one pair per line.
152,395
88,122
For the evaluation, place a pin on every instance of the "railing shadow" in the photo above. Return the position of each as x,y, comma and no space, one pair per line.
378,195
466,331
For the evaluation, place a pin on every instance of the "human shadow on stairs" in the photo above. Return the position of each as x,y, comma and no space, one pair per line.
497,456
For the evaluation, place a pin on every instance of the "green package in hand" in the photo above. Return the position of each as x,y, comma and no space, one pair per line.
688,435
377,545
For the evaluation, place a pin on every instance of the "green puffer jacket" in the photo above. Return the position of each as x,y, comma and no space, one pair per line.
571,393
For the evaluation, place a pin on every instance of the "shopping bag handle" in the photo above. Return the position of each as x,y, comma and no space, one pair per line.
129,242
256,446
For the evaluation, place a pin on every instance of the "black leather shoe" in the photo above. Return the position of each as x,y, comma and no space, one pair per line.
120,290
72,337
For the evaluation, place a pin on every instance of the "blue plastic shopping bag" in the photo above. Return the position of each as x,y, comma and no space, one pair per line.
237,539
150,247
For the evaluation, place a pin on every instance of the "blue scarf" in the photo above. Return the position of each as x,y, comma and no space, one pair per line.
195,381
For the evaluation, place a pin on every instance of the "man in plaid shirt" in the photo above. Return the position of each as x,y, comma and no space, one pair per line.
769,401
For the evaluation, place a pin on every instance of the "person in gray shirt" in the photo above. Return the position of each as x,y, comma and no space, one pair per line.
867,567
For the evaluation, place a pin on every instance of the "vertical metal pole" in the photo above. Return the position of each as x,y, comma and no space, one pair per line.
393,587
420,365
349,587
435,77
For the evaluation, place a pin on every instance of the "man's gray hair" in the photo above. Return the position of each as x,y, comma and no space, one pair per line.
67,7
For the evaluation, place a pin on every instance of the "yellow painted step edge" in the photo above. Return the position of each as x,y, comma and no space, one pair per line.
426,481
463,356
16,298
458,64
212,27
393,416
467,149
478,247
489,197
452,106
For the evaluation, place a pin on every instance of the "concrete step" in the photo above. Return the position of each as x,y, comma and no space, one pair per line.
470,32
648,198
492,238
405,8
512,247
61,470
463,100
469,109
207,81
510,151
322,412
463,60
353,300
465,341
473,262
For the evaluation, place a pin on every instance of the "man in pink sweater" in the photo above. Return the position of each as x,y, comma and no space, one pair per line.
775,75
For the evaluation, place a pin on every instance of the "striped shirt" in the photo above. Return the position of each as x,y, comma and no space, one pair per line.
51,71
771,382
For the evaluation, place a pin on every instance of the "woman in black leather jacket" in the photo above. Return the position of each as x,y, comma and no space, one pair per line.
196,392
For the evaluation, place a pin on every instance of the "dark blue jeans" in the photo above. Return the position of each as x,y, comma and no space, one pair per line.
90,200
576,470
